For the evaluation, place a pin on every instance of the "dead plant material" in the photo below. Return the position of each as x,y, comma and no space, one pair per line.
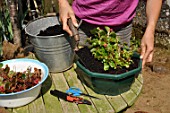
12,51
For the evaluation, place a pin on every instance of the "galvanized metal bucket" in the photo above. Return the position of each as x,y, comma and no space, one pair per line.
55,51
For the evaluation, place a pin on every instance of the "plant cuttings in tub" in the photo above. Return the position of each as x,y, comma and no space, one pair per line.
11,81
106,47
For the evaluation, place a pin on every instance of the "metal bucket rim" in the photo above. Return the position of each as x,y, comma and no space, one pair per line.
40,36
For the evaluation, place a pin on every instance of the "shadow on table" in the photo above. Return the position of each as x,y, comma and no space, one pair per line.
46,85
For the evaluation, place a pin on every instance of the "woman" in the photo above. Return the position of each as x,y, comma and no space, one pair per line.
117,14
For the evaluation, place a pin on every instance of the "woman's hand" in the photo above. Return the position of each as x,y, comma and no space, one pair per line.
66,12
147,46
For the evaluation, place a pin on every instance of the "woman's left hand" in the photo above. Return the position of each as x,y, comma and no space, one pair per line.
147,47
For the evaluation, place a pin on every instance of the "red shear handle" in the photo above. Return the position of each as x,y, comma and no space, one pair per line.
78,100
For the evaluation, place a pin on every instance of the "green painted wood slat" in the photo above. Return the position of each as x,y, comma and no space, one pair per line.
61,85
52,104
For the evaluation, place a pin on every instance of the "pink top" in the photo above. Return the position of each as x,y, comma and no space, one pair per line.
105,12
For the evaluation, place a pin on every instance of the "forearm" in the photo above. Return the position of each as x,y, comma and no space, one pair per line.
153,8
61,1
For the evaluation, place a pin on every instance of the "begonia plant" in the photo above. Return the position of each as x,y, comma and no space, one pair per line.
107,48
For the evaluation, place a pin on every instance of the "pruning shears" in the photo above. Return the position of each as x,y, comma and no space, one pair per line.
69,98
77,92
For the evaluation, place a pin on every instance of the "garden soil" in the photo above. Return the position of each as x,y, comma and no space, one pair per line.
155,95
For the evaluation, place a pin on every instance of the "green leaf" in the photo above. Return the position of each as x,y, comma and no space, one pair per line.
106,66
7,86
94,44
116,55
23,76
126,65
93,50
93,31
1,65
10,74
99,42
109,47
107,29
113,35
105,55
112,64
103,38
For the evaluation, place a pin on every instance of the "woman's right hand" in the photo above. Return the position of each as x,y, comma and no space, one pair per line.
66,12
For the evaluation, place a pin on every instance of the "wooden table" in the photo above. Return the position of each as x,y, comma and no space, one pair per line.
47,103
